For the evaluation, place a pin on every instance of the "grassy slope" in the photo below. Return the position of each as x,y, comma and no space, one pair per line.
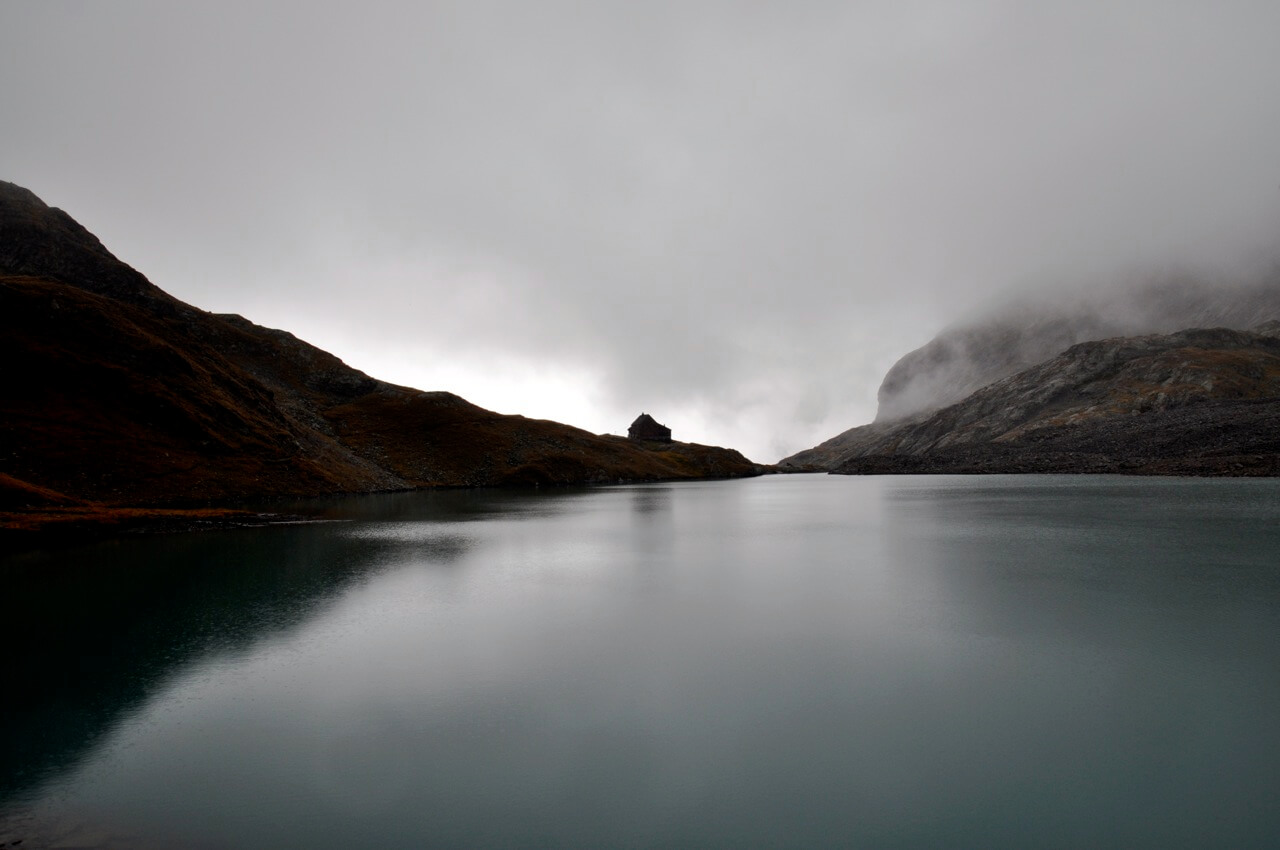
119,397
111,404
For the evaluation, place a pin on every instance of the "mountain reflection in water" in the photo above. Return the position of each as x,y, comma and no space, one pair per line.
92,632
793,661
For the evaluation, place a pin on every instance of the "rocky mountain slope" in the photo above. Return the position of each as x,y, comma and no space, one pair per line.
119,394
969,356
965,359
1192,402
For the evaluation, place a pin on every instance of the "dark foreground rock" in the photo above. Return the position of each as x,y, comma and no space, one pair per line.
117,394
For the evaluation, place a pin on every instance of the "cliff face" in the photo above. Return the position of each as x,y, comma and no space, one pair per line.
1194,402
118,393
966,358
962,361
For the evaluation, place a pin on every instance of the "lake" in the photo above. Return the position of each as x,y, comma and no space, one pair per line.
790,661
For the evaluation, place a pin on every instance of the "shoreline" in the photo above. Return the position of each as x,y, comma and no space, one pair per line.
63,526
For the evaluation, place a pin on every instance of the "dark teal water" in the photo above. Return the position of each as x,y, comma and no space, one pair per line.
803,661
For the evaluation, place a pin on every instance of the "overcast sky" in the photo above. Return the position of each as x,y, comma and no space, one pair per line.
734,216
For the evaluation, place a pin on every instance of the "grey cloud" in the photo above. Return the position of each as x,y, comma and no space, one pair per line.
746,210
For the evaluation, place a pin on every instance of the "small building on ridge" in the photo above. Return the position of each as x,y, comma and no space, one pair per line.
647,428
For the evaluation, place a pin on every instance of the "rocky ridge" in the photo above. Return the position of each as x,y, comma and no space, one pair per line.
965,358
119,394
968,358
1199,401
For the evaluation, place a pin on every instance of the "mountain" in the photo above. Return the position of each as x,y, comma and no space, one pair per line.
1195,402
965,360
969,356
119,394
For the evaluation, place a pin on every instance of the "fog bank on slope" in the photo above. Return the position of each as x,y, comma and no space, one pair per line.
973,354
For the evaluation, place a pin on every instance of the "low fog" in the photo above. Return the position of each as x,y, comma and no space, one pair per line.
735,217
1024,329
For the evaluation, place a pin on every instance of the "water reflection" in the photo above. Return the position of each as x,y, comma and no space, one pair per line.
1131,629
797,661
442,506
651,503
91,633
652,524
1089,555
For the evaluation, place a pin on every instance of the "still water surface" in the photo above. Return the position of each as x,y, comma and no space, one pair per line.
800,661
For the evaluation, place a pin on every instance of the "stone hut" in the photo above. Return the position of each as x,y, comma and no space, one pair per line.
647,428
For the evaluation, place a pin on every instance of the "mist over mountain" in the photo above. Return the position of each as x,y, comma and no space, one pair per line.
738,215
971,355
1195,402
1123,379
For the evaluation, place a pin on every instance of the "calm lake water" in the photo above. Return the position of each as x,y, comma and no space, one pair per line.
798,661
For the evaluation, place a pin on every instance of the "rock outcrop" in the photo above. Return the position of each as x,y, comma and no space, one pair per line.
118,393
1202,401
966,359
